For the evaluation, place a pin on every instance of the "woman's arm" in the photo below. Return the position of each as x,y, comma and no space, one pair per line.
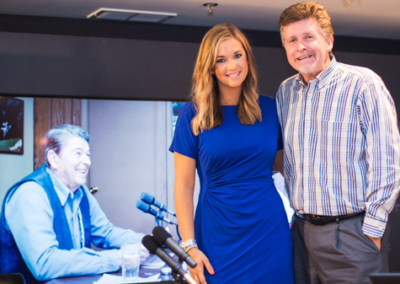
185,173
278,163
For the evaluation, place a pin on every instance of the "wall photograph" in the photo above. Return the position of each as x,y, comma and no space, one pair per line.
11,125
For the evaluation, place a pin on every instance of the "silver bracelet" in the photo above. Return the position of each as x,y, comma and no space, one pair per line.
188,245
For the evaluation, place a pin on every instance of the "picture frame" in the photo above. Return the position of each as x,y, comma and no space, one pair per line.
11,126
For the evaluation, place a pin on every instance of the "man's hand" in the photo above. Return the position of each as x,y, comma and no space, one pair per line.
377,241
144,253
119,257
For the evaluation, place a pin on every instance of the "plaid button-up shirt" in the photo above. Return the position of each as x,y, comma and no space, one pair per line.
341,144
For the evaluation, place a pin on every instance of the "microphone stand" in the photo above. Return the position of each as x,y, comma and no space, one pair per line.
177,277
158,218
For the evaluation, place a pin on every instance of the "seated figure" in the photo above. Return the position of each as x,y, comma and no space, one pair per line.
49,219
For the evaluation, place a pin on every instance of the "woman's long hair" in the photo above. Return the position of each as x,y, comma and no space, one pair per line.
205,93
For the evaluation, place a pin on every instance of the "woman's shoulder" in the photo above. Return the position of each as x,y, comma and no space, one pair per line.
266,101
187,109
186,112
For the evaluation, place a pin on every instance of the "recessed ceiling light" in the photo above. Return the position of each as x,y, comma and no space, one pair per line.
131,15
210,8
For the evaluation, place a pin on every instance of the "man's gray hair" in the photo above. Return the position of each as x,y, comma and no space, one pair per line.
56,137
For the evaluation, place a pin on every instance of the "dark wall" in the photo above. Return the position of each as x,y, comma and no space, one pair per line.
94,67
54,65
109,59
90,59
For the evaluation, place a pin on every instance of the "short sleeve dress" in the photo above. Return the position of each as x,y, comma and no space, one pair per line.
240,221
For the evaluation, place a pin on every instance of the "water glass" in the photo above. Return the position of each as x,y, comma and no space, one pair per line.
130,252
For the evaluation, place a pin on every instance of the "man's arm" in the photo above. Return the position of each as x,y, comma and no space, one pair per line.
104,234
30,219
379,123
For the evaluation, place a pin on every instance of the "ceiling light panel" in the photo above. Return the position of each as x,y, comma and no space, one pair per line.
131,15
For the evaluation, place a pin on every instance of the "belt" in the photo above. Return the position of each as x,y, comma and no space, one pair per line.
322,220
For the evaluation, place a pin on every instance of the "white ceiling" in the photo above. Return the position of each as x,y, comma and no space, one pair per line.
361,18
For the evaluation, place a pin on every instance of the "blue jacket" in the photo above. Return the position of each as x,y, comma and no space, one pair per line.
10,257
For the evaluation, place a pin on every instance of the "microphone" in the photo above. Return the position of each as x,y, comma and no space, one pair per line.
146,208
149,199
150,243
164,238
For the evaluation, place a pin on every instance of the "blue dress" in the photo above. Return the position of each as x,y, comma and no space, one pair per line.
240,221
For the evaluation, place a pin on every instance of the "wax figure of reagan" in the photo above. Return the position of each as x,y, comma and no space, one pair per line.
341,154
50,219
231,135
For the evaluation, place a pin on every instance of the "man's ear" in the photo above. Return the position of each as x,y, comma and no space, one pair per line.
329,41
52,158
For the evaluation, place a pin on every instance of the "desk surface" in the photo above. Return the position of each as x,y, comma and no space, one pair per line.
89,279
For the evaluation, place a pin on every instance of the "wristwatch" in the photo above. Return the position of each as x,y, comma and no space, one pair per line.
189,244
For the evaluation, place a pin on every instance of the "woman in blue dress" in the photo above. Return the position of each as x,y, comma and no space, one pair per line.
231,135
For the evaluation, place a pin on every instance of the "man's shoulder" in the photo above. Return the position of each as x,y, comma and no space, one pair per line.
27,191
364,74
286,85
85,190
289,81
26,199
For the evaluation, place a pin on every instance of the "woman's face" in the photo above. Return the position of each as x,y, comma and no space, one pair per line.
231,67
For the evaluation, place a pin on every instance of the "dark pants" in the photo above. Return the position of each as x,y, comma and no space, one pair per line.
336,253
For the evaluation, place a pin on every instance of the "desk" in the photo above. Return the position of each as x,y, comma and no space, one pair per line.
89,279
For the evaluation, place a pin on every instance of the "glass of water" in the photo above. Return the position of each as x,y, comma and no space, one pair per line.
130,252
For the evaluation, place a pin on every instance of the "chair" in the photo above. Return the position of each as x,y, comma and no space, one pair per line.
12,278
385,278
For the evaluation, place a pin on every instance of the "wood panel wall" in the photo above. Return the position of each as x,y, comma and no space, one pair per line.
48,113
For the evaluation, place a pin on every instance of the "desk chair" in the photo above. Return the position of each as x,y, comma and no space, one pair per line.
385,278
12,278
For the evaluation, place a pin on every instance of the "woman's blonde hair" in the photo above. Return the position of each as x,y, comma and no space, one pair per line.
205,93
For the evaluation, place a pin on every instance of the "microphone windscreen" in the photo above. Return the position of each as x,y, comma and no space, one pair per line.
161,235
150,243
147,198
142,206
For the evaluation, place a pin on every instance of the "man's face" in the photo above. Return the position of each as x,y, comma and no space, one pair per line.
306,48
72,164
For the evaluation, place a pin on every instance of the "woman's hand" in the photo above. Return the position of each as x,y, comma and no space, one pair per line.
201,260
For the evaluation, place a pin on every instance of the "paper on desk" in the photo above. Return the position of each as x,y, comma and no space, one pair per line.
113,279
153,261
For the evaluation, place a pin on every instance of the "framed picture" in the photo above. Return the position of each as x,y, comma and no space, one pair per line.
11,126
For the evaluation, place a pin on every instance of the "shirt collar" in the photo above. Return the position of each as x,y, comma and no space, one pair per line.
63,192
322,77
